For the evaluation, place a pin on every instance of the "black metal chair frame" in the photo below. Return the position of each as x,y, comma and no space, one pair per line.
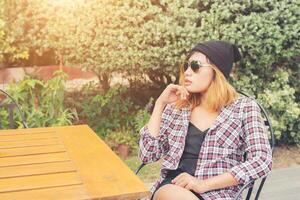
10,107
250,184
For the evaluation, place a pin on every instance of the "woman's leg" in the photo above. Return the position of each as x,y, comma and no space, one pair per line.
173,192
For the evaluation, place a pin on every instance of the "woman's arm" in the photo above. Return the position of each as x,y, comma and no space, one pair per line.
259,154
153,136
155,119
200,186
217,182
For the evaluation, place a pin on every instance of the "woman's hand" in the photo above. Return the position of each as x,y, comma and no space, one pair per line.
172,93
190,182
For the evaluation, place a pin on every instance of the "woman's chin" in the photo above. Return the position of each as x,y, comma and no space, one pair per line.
191,89
188,86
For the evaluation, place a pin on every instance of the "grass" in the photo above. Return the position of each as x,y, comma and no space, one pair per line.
148,174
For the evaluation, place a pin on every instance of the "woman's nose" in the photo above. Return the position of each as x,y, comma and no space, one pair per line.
188,71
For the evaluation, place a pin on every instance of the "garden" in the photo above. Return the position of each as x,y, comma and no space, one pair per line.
145,42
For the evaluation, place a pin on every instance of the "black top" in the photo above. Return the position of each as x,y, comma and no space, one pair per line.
193,142
188,160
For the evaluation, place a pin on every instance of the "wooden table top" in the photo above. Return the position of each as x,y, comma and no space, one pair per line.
69,162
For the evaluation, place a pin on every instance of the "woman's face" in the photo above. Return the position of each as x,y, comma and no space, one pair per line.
198,82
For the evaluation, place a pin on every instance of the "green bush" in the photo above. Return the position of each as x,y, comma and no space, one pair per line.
12,45
113,115
41,101
130,135
126,137
104,111
267,33
279,100
131,37
142,116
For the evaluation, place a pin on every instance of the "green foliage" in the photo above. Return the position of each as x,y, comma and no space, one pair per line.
147,39
4,118
104,111
131,37
279,100
113,115
126,137
42,102
142,116
268,35
12,45
134,37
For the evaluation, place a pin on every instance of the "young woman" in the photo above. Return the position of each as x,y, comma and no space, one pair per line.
202,128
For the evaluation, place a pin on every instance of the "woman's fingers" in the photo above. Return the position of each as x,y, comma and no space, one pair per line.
179,91
184,92
181,180
178,177
182,183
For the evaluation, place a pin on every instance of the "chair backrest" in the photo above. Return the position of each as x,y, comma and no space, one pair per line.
271,136
11,107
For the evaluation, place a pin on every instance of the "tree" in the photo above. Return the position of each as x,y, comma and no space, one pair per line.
12,47
134,38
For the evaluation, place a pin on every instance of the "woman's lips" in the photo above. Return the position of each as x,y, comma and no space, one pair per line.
186,82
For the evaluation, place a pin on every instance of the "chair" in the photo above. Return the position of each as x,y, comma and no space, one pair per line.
10,108
251,184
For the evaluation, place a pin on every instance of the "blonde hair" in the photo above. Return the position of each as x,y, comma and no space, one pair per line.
219,93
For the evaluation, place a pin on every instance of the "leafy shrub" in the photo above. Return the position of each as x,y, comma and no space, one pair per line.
126,137
279,99
104,111
142,116
41,101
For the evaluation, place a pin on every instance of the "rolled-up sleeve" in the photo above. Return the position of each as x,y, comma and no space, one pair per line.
153,148
259,154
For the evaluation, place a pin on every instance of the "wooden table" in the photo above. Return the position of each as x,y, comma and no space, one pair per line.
62,163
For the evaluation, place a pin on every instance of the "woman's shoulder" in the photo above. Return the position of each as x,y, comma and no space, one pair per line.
244,102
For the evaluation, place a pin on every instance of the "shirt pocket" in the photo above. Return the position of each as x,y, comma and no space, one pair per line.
228,133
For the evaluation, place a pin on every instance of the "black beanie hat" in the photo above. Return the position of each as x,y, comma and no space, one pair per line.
221,53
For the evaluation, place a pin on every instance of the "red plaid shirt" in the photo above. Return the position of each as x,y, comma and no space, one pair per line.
239,128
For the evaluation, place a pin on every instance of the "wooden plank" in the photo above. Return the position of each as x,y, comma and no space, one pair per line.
29,143
36,169
103,172
31,150
5,138
13,132
33,159
39,181
77,192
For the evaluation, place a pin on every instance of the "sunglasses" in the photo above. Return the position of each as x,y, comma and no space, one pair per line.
195,65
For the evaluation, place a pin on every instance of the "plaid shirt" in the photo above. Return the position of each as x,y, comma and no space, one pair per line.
239,128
